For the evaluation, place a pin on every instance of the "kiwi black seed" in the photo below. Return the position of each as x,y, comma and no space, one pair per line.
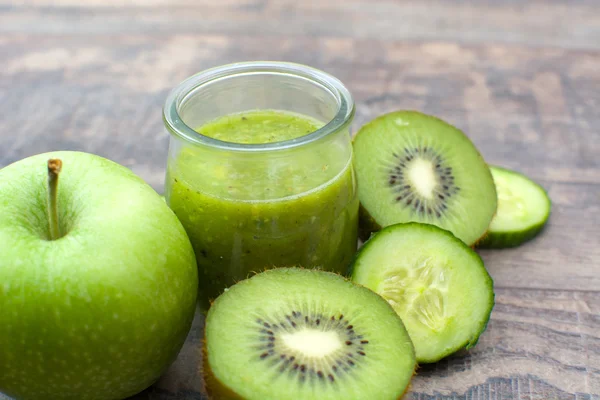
303,334
273,350
412,167
407,196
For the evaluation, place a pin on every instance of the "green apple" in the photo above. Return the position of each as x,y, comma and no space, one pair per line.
98,280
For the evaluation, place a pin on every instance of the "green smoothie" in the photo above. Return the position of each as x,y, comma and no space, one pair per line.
248,212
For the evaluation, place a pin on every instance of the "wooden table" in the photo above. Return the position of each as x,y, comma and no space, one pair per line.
522,78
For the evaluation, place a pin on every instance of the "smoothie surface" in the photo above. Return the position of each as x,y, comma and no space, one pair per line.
259,127
261,176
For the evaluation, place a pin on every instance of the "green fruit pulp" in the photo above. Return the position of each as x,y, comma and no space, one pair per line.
346,342
523,209
437,285
412,167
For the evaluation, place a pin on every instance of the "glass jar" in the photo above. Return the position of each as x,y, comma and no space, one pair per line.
249,207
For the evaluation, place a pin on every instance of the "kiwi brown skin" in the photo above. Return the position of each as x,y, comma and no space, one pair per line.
214,388
366,224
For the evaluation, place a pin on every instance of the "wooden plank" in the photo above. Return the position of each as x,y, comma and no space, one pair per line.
571,24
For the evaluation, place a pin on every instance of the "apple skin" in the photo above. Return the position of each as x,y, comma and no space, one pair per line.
101,312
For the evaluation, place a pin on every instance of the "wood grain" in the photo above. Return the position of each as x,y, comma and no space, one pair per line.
520,77
573,24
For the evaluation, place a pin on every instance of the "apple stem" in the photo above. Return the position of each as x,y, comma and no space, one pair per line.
54,167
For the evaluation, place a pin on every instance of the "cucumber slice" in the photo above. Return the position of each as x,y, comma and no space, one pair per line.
438,286
523,209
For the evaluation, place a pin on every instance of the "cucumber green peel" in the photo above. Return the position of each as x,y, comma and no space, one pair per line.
523,209
438,286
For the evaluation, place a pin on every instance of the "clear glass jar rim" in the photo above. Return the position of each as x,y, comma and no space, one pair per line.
177,127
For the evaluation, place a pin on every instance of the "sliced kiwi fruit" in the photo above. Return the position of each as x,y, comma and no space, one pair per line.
292,333
415,167
523,209
435,282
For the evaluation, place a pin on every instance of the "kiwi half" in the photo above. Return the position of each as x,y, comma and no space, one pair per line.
523,209
415,167
436,283
297,334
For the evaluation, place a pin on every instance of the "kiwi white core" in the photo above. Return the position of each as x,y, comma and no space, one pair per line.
312,342
421,174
